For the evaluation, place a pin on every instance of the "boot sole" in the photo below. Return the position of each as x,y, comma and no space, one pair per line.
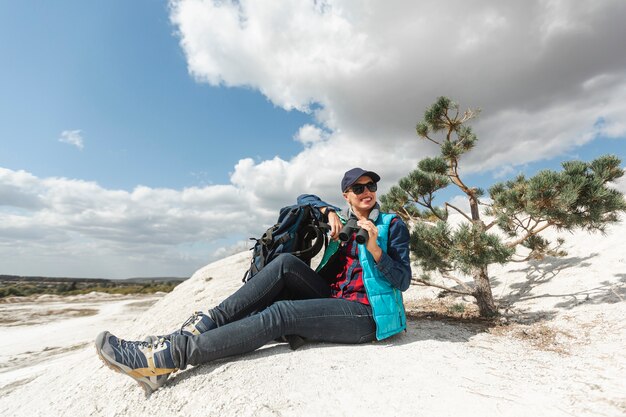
111,364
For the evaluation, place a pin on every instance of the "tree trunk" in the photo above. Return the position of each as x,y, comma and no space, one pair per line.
484,297
474,209
482,293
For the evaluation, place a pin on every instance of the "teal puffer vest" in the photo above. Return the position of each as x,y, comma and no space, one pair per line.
385,300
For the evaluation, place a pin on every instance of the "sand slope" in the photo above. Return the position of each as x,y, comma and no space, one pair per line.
564,358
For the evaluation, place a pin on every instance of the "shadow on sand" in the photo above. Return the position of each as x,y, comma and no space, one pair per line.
541,272
418,329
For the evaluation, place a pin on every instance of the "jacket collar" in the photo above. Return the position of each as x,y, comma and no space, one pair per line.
373,216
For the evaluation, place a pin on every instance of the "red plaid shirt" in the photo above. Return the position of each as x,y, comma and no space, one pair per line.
348,283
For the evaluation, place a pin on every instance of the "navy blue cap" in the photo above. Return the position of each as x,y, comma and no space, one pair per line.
350,177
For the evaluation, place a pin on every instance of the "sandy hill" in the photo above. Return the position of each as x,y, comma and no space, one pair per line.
559,353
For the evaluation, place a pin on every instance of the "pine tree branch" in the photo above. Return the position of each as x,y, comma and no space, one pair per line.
537,222
532,232
437,214
432,209
443,287
469,114
520,222
407,214
428,200
447,117
425,204
490,225
453,174
458,281
432,140
417,201
529,220
420,203
452,123
459,210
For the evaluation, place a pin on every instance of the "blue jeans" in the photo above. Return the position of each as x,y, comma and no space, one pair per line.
253,316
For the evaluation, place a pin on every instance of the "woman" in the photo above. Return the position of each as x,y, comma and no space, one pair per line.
353,297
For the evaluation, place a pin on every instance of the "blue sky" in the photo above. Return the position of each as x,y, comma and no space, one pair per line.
194,121
114,71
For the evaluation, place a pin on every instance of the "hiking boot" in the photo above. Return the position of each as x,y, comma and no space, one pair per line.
197,324
150,364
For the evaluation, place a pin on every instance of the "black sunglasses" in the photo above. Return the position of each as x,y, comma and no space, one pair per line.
359,188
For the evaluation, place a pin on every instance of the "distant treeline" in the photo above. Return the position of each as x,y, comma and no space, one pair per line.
18,286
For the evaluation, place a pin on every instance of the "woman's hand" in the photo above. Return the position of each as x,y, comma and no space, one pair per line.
335,225
372,241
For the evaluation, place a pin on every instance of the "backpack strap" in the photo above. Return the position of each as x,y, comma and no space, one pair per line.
320,240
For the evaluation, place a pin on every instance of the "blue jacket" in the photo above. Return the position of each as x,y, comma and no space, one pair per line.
384,280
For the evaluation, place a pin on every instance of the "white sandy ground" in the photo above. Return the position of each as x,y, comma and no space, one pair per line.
61,325
561,355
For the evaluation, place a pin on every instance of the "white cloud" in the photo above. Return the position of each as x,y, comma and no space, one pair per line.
504,171
46,223
461,202
231,249
309,134
544,72
72,137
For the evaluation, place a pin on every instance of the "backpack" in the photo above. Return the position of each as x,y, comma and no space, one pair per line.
300,230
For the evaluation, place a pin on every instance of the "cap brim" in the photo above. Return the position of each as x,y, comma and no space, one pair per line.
374,176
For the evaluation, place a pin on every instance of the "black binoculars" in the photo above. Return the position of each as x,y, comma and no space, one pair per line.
351,227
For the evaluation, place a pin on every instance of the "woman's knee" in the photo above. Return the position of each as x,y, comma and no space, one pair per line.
280,309
288,259
279,316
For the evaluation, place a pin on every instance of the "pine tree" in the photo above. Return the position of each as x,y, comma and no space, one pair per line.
578,197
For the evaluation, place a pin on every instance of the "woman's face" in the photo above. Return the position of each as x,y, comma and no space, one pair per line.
364,201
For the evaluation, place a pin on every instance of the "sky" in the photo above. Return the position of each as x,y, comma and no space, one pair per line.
148,138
